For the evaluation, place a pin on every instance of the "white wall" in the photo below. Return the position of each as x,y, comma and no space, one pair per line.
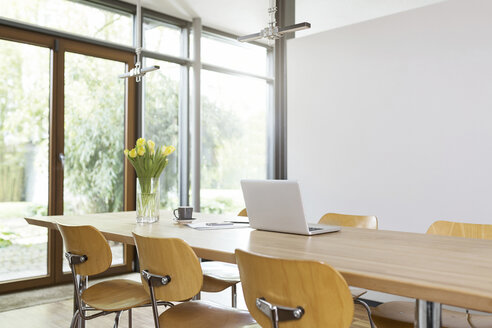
328,14
393,117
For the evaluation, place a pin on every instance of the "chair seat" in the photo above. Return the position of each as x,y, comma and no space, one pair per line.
115,295
357,292
218,276
402,314
200,314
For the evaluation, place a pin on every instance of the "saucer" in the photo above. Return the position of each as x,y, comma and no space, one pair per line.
184,221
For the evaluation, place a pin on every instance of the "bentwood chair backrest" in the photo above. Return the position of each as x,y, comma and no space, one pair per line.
243,212
317,288
458,229
174,258
88,241
345,220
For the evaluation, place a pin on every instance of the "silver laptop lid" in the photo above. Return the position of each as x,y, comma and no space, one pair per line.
274,205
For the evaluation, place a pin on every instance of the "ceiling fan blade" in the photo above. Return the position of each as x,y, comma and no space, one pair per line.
250,37
294,28
149,69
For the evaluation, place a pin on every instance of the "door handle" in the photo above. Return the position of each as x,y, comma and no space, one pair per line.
61,156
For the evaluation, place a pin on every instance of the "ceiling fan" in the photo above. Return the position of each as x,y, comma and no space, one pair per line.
272,31
137,71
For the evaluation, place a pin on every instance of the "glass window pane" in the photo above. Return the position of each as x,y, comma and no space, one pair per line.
24,149
160,121
233,54
73,17
161,37
94,137
234,138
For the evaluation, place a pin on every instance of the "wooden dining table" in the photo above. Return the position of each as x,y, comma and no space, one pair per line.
433,269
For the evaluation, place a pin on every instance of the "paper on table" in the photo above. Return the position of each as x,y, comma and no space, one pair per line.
216,225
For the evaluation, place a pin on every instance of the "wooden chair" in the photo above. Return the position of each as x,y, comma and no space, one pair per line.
402,314
218,276
88,253
355,221
171,272
346,220
294,293
243,212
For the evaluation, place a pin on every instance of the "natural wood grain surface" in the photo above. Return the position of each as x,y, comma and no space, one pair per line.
88,241
115,295
348,220
218,276
354,221
174,258
243,212
111,295
213,272
200,314
401,314
449,270
459,229
316,287
214,285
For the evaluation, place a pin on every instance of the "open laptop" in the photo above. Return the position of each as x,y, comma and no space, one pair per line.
276,205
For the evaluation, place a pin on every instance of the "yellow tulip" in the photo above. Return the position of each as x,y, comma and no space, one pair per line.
125,152
169,150
141,151
151,147
140,142
133,153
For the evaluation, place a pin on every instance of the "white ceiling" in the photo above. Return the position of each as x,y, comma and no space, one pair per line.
249,16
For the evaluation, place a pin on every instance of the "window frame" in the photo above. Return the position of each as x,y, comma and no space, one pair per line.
58,46
58,40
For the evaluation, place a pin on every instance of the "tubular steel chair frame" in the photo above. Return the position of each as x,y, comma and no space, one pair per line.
80,284
88,253
155,280
171,271
278,313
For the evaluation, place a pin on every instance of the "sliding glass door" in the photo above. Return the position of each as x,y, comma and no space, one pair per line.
24,164
94,138
65,119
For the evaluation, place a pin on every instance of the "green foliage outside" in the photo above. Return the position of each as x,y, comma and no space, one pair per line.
94,120
24,116
161,108
5,242
94,135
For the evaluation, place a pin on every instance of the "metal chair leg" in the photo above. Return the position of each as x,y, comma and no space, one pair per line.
234,296
130,318
117,319
75,319
197,297
368,309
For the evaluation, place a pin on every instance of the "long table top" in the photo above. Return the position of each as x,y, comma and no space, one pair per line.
448,270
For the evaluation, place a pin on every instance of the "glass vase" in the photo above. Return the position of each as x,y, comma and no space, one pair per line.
148,199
